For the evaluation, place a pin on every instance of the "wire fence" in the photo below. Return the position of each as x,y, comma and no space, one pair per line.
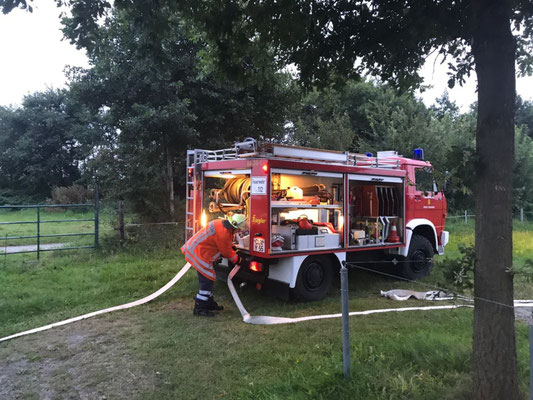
521,215
465,299
448,291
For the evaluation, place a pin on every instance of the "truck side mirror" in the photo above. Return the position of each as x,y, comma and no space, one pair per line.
447,182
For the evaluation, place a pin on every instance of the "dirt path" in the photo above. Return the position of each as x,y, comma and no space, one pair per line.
524,314
16,249
85,360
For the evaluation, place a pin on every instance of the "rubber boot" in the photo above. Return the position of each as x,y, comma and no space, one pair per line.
201,309
213,305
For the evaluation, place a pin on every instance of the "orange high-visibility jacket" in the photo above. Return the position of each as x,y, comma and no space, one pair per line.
207,246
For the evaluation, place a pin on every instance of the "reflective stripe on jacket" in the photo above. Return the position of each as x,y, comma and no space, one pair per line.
207,246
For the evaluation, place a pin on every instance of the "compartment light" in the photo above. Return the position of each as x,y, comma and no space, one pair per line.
340,223
203,219
265,168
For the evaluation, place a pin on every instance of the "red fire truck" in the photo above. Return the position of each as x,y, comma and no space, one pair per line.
308,210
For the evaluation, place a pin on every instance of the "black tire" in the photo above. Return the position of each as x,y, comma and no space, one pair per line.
419,260
314,279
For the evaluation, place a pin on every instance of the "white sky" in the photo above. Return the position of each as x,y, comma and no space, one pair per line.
32,52
33,57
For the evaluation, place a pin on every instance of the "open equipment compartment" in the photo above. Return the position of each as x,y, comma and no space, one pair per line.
307,210
225,192
376,210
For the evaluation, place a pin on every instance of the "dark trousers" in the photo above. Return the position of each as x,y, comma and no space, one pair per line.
205,288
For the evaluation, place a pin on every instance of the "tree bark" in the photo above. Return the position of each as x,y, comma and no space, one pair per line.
121,220
494,361
170,184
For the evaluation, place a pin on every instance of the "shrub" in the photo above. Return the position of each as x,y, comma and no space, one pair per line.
526,270
459,273
9,197
75,194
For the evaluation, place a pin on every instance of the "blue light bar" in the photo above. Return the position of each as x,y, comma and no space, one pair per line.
418,154
369,154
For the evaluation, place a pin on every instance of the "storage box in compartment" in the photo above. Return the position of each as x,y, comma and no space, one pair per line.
322,240
288,232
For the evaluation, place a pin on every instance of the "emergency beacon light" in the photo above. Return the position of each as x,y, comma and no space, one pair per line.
418,154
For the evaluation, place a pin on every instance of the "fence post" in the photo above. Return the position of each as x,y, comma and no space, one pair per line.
5,252
345,321
530,362
96,212
521,215
38,233
466,216
121,219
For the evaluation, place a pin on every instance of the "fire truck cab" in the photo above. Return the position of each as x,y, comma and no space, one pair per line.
308,210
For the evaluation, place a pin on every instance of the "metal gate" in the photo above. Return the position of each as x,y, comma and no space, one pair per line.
38,222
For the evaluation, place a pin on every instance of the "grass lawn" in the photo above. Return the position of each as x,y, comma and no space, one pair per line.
161,351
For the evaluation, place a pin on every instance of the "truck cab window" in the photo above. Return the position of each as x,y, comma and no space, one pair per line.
424,180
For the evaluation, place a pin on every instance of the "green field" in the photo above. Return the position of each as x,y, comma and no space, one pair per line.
161,351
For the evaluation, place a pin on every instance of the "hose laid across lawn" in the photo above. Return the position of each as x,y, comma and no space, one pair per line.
269,320
247,318
146,299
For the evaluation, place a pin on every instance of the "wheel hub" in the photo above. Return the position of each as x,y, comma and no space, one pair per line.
314,276
419,260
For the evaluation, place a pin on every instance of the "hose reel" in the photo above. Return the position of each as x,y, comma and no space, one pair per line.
233,196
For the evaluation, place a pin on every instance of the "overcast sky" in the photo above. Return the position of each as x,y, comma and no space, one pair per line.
33,58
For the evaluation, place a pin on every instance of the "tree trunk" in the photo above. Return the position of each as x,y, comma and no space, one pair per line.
170,184
494,361
121,220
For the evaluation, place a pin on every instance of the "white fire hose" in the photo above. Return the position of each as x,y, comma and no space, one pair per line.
268,320
146,299
247,318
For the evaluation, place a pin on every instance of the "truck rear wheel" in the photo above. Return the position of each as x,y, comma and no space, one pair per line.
419,260
314,279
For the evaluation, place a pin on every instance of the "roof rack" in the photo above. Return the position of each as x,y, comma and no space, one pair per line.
251,148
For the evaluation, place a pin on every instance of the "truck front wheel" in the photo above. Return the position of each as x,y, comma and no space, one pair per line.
314,279
419,259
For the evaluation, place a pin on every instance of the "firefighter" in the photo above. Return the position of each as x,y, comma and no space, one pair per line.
203,250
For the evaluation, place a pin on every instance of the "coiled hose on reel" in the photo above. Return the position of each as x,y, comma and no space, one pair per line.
233,196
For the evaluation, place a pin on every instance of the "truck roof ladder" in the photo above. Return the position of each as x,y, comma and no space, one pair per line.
249,148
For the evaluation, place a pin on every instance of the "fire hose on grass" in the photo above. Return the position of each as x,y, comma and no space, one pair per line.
247,318
144,300
270,320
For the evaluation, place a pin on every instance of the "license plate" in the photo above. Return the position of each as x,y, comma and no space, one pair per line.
259,245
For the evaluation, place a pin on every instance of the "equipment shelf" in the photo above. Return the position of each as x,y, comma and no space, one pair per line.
286,204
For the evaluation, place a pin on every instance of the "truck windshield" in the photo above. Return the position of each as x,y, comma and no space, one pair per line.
424,180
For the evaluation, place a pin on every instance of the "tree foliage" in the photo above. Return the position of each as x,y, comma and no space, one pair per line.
524,115
157,102
43,143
